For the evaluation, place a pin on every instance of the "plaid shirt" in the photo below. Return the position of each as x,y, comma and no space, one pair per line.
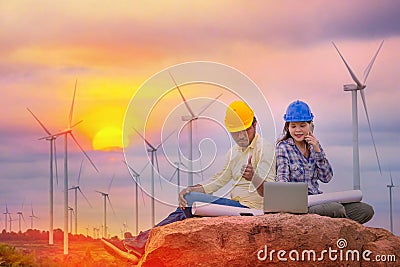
292,166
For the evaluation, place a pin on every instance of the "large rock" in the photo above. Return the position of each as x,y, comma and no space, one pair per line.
273,240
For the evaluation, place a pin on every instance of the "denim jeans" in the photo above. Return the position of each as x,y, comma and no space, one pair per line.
139,242
191,197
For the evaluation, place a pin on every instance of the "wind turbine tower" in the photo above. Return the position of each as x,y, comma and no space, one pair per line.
10,220
105,197
6,214
76,188
52,140
71,212
353,88
136,179
178,173
390,186
32,216
20,215
154,161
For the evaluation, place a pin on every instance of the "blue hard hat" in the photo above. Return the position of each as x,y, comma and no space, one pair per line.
298,111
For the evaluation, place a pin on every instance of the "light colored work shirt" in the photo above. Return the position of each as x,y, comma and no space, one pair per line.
243,191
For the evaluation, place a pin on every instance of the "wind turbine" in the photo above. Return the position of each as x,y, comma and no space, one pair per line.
6,213
71,212
106,196
191,118
10,221
177,172
136,179
390,201
354,88
20,214
67,132
76,188
153,150
52,140
32,216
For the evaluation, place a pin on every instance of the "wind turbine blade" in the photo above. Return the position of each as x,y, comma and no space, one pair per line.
370,129
130,168
209,104
55,158
158,170
163,141
87,200
181,163
170,179
41,124
139,183
141,190
391,179
183,98
83,151
100,192
145,140
55,135
109,186
145,166
79,175
109,201
353,76
72,126
369,67
71,110
23,218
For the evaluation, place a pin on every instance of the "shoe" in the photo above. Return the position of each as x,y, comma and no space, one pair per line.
128,235
117,243
135,247
117,248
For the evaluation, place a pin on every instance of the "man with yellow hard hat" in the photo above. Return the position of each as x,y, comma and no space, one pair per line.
248,164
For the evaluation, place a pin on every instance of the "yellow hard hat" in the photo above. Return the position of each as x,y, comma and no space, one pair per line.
239,116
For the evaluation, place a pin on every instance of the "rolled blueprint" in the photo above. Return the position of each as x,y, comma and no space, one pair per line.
212,210
341,197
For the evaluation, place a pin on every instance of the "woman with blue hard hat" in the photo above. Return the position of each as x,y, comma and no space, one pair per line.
300,158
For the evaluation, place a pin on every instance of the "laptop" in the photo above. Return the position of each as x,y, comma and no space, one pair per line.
285,197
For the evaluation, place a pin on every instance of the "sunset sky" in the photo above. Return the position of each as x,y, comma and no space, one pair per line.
111,48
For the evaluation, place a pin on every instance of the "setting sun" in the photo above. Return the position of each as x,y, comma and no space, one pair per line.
108,138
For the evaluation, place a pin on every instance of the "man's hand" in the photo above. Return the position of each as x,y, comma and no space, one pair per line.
248,170
182,201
